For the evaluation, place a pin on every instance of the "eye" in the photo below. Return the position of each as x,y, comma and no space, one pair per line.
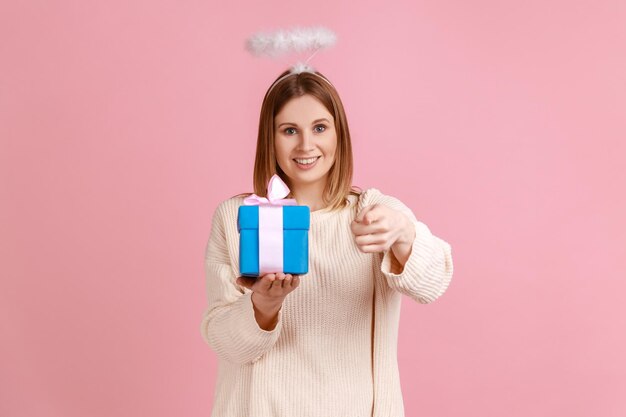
290,131
320,128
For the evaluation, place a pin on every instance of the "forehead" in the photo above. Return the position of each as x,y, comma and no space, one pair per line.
302,109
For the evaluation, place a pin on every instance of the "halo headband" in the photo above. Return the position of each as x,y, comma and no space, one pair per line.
296,40
282,42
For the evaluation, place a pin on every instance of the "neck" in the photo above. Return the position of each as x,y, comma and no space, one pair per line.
310,195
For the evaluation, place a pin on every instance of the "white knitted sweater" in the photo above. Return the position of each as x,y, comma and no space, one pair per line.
334,349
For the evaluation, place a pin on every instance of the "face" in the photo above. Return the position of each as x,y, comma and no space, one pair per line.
305,140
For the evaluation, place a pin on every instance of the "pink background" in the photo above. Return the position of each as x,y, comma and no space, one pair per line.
500,123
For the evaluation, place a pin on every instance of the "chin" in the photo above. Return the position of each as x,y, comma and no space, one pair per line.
307,179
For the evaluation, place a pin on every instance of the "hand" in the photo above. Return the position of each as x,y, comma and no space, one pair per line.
269,292
271,286
378,228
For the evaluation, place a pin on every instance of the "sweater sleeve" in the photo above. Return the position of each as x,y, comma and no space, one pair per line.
428,271
228,323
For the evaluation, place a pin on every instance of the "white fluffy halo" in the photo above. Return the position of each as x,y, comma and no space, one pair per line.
294,40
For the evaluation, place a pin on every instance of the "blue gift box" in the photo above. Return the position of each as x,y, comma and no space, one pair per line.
296,222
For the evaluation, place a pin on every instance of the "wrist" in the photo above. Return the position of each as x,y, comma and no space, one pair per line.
407,236
265,311
266,305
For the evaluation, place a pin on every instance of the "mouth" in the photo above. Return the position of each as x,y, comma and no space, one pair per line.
306,163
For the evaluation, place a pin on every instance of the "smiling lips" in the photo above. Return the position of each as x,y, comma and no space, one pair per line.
306,161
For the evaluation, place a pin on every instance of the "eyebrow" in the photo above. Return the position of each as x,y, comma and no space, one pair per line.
314,121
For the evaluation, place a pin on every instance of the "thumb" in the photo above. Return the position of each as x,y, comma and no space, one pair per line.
361,218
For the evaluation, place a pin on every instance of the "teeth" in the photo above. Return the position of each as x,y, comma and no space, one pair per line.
306,161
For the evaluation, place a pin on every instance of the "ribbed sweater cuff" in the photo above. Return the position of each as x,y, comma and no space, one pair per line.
248,334
428,271
235,335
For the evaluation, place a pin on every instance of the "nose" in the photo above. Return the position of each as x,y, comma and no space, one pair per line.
306,142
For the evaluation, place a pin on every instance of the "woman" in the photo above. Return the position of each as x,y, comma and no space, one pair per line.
325,343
